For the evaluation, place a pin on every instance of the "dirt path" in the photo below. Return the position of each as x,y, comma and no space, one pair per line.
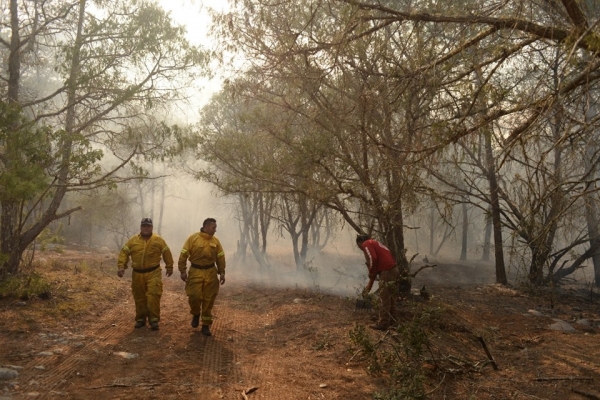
261,340
289,343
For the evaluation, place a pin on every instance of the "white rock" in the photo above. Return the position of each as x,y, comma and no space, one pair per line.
536,313
562,326
126,355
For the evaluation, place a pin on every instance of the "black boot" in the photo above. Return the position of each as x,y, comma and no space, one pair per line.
154,325
206,330
140,323
195,321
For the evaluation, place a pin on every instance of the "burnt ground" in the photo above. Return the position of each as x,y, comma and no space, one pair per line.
292,343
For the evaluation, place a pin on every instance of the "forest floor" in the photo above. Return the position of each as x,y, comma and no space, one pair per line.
294,343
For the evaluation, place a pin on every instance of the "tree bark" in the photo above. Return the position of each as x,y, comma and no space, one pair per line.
465,231
485,256
495,207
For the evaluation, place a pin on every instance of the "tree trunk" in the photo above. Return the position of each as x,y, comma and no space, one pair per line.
495,207
162,203
487,238
296,250
431,230
465,231
152,191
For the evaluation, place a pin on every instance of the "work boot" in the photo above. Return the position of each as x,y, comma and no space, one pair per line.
206,330
154,325
140,323
195,321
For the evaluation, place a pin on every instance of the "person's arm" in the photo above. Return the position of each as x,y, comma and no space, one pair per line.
168,257
368,288
221,262
183,257
370,260
123,259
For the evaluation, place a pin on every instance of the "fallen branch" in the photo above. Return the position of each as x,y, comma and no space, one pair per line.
487,352
247,392
589,395
355,354
563,378
122,385
414,274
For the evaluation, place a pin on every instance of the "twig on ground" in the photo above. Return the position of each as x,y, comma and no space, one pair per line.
414,274
487,352
437,387
122,385
355,354
563,378
589,395
248,391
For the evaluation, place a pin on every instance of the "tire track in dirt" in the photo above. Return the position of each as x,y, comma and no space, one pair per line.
236,357
250,319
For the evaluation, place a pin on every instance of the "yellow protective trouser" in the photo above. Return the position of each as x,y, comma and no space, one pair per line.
147,289
202,288
388,292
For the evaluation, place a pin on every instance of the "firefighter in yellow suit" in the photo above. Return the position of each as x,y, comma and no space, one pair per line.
207,270
146,250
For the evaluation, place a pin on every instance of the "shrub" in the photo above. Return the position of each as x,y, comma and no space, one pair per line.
25,286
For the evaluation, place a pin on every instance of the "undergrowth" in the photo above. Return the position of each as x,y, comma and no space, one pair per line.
25,286
398,355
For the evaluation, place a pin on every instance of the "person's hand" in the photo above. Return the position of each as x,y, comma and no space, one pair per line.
222,279
120,273
169,272
184,276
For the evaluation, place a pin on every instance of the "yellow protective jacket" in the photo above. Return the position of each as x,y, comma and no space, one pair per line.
145,253
202,249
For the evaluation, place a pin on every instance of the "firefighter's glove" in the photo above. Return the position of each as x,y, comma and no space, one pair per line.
120,273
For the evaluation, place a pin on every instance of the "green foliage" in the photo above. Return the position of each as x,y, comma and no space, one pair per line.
324,343
25,154
52,240
25,286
